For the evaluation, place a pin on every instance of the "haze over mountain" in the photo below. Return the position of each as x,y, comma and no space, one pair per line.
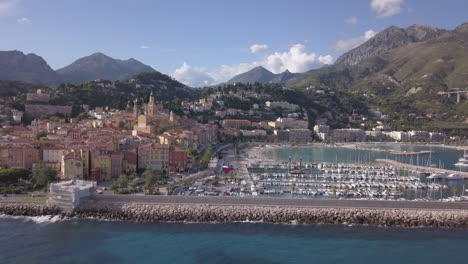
98,65
31,68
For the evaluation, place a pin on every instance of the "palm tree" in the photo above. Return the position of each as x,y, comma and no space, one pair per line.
401,188
441,189
346,190
334,190
387,193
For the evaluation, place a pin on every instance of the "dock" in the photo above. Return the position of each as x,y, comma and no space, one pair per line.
421,168
410,153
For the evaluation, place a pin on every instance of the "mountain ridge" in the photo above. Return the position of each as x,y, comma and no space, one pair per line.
99,65
31,68
390,38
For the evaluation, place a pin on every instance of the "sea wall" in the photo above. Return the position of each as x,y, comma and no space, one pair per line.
27,209
267,214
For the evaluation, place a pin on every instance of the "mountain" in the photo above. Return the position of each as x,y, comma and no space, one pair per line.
257,74
404,79
283,77
98,65
388,39
15,65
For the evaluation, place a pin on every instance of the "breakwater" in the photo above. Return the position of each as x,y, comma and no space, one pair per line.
420,168
237,213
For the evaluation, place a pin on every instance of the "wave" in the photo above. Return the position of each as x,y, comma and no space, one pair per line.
43,219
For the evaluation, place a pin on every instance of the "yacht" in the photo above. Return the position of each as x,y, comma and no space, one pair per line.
463,161
454,176
436,176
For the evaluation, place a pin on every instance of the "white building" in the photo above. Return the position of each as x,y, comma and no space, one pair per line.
283,105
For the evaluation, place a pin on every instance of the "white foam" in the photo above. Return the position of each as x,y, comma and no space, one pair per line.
43,219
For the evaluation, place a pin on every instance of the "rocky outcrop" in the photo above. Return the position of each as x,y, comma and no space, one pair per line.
388,39
266,214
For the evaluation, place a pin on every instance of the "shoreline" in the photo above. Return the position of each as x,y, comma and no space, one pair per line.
205,213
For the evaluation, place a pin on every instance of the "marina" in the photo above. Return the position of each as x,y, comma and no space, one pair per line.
340,178
337,180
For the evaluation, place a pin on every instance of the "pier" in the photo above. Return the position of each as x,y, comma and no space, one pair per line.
421,168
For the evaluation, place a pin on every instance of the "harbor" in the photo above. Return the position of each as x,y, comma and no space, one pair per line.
339,180
256,174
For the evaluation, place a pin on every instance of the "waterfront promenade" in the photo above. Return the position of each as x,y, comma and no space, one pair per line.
420,168
281,202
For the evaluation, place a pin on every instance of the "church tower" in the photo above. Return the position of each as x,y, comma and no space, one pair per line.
171,117
151,105
135,108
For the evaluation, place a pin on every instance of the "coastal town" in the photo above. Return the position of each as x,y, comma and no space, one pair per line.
209,149
187,132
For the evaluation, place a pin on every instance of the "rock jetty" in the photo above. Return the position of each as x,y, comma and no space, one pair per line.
266,214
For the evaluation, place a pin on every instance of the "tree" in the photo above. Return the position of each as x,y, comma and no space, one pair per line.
193,152
207,156
134,183
150,180
441,190
13,175
454,190
122,181
334,190
43,175
113,187
121,124
41,134
387,193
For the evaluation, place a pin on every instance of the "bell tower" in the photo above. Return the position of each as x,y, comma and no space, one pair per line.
151,105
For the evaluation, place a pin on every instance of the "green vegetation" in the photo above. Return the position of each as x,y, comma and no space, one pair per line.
12,189
205,160
37,199
43,175
153,179
94,94
125,184
12,176
404,81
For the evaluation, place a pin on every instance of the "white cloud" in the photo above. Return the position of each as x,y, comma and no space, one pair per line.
347,44
23,21
192,76
7,5
144,47
258,47
386,8
296,59
327,59
351,20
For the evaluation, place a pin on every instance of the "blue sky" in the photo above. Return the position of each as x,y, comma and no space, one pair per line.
207,41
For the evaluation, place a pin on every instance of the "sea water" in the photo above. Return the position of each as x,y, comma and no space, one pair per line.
87,241
441,157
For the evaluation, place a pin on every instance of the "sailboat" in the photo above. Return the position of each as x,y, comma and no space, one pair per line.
463,161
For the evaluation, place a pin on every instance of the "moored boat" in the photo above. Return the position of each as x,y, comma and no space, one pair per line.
463,161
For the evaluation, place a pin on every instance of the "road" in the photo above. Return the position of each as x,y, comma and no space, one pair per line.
294,202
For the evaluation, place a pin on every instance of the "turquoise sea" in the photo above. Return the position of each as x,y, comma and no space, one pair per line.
87,241
441,157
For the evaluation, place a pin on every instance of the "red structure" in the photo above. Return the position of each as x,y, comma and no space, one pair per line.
178,160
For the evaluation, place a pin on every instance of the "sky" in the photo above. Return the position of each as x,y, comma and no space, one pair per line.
204,42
